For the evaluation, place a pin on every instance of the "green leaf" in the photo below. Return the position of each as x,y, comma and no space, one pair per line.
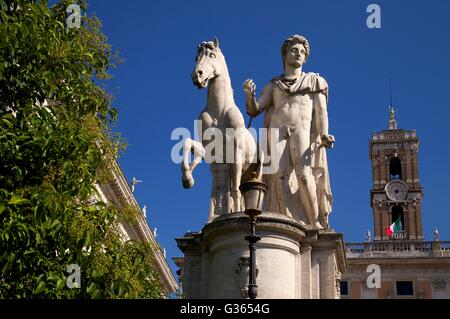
60,284
38,238
87,239
55,223
40,288
17,200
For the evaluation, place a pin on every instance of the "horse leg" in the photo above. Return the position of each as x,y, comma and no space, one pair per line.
185,167
187,170
235,175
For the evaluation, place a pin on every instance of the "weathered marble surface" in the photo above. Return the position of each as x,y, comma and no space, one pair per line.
222,119
295,104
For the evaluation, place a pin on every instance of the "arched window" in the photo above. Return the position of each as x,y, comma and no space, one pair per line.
395,168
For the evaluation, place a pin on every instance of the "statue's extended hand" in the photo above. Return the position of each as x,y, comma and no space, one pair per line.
250,88
327,140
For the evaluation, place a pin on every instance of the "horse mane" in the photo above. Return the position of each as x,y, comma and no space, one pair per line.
206,45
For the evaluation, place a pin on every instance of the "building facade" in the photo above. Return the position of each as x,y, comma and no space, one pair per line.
118,193
397,262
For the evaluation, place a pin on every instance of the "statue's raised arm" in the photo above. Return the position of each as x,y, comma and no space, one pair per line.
255,107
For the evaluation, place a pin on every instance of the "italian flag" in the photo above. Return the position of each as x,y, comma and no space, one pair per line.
395,227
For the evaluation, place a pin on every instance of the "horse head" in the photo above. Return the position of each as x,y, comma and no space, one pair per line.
209,63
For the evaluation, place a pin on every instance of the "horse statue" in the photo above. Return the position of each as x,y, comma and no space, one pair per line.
220,113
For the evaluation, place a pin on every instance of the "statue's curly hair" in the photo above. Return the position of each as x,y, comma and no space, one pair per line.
293,39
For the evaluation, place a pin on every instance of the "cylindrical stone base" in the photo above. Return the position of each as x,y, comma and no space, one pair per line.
293,261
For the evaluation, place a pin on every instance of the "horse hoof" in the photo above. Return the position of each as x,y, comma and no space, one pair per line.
188,183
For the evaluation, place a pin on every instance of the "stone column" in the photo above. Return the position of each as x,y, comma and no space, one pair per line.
191,269
306,271
315,278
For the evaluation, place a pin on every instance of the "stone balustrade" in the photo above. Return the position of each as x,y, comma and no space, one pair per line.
396,248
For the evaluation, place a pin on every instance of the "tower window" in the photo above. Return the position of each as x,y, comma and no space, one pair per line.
405,288
397,214
395,168
344,288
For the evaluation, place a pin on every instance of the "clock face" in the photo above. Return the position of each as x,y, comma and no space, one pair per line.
396,190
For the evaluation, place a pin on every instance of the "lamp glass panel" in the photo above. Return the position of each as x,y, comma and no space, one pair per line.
254,199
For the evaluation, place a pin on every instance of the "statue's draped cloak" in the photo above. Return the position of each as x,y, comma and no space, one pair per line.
310,83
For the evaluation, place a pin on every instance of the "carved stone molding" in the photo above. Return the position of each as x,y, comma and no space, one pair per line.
338,277
439,282
241,272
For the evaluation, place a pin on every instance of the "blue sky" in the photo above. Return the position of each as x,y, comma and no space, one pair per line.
154,93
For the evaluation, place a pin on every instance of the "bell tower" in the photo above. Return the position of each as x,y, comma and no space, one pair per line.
396,194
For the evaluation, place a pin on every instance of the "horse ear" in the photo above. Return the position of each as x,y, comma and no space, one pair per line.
216,42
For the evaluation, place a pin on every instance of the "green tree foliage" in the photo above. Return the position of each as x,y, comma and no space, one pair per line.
55,144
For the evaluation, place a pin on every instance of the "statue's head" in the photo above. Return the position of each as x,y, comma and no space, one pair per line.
295,50
209,63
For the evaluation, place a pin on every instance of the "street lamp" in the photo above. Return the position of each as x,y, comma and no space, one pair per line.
253,192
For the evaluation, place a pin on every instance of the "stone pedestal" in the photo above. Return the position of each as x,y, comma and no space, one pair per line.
293,261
